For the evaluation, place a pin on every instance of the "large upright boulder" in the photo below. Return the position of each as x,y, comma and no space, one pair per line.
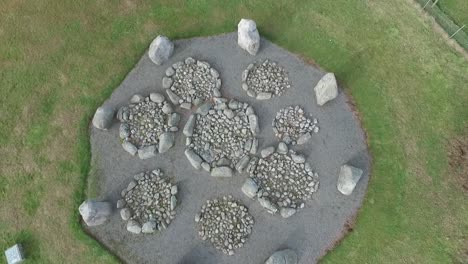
247,36
103,117
95,213
326,89
286,256
348,178
160,50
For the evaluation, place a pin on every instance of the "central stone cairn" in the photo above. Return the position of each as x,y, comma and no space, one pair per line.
281,181
191,82
293,127
148,125
265,80
221,136
225,223
148,203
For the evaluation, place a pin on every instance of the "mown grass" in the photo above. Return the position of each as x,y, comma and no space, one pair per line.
60,60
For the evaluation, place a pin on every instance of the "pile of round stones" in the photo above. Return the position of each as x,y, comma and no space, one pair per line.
191,82
225,223
265,80
293,127
148,203
281,180
221,136
148,125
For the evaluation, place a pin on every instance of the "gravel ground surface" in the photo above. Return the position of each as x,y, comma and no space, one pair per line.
310,231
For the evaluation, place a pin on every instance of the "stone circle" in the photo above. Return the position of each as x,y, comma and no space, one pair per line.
148,125
282,181
292,126
148,203
221,136
264,80
191,82
225,222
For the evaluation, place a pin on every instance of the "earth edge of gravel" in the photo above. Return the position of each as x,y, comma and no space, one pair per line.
340,211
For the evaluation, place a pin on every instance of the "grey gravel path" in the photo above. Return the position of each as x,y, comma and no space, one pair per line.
310,232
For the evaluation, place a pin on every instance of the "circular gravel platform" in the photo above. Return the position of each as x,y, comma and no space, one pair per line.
310,231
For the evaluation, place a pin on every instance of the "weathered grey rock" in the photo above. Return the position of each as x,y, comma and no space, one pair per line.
129,147
269,206
326,89
286,256
298,158
303,138
263,96
167,82
167,109
174,190
149,227
204,108
242,164
223,171
131,185
250,188
147,152
206,166
133,227
287,212
170,71
193,158
248,37
95,213
157,97
173,202
348,178
253,149
160,50
282,148
173,97
188,128
125,214
166,141
173,120
267,152
253,123
124,131
103,117
136,98
121,203
186,105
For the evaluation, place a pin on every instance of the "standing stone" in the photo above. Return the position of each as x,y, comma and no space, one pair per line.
348,178
269,206
103,117
193,158
95,213
326,89
156,97
160,50
125,214
188,128
15,254
286,256
129,147
247,36
287,212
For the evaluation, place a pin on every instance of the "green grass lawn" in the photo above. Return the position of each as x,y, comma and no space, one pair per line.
60,59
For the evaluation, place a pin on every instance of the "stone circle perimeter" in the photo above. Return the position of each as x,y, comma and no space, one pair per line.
147,125
191,82
225,222
148,202
310,232
264,80
221,136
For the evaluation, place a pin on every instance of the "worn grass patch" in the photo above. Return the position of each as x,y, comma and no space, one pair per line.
60,60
